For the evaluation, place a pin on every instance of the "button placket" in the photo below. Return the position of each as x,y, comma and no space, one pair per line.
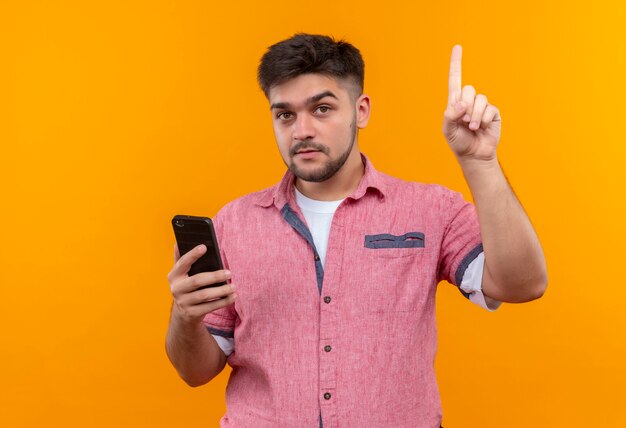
330,320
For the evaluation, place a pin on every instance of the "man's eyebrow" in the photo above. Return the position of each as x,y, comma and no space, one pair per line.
310,100
316,98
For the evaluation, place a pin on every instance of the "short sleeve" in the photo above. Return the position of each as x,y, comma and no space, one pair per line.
472,284
226,344
461,241
221,322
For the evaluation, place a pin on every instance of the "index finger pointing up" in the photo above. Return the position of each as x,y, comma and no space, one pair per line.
454,82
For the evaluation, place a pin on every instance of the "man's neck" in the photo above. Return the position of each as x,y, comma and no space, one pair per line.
340,185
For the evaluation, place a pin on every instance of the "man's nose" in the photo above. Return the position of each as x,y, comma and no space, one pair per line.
303,128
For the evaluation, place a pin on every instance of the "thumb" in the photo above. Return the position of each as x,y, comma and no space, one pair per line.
452,115
176,253
455,111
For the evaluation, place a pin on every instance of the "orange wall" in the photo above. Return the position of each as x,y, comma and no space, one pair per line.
116,115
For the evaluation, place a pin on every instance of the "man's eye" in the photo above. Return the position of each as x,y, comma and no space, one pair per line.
323,109
284,115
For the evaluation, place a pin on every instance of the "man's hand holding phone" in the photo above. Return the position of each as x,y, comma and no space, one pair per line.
191,304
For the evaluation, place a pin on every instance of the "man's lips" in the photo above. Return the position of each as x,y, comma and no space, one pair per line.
307,153
308,149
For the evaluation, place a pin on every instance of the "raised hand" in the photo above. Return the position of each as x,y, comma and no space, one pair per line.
470,124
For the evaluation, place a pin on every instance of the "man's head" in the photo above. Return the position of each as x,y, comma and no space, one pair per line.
314,86
309,53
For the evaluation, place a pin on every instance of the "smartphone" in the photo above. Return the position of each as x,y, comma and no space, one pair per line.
191,231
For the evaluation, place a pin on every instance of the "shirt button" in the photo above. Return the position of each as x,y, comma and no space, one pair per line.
317,258
327,396
327,299
327,348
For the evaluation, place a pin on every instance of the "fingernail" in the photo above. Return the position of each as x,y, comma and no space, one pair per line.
232,287
474,125
201,247
466,118
227,273
459,107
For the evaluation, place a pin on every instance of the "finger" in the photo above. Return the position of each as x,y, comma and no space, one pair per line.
200,310
454,78
480,104
183,264
492,114
226,301
212,294
198,297
467,97
176,253
192,283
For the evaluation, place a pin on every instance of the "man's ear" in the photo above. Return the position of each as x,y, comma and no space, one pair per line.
363,108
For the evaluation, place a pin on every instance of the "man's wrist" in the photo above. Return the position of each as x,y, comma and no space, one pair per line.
471,165
184,321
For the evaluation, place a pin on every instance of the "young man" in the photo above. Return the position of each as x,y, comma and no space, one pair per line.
336,267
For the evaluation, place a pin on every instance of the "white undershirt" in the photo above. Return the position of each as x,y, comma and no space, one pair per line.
319,217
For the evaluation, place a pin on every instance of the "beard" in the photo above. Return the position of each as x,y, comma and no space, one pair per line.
327,170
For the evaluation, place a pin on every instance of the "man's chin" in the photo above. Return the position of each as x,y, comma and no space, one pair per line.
309,173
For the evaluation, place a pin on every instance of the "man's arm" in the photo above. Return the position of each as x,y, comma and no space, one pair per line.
515,268
190,347
193,351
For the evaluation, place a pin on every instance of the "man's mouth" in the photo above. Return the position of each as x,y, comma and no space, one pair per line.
308,149
307,153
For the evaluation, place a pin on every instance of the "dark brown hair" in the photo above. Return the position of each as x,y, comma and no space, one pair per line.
310,53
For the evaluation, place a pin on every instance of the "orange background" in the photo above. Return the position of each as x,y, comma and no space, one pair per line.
117,115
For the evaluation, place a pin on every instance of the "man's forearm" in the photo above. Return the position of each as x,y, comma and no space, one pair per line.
515,268
193,351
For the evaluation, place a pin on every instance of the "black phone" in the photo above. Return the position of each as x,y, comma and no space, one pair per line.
191,231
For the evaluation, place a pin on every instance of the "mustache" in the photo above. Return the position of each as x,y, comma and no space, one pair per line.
303,145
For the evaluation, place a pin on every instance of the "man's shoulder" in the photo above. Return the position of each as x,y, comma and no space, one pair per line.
259,198
398,187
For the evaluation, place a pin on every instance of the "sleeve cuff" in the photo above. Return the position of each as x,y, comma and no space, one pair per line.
226,344
472,284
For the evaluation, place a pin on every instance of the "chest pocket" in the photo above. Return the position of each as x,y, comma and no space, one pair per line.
388,241
397,272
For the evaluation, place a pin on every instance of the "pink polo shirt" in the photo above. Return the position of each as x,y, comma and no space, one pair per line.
353,343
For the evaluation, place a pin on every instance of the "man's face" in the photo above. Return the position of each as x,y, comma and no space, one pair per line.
315,121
